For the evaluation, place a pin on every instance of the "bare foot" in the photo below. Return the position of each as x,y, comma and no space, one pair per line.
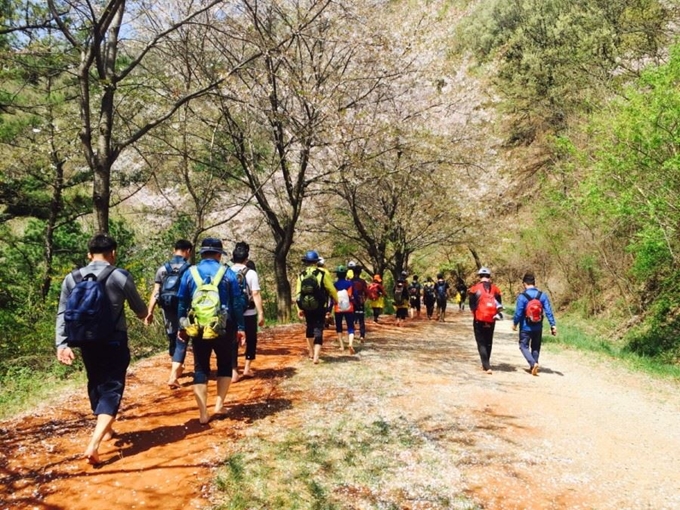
204,418
173,384
109,435
92,457
248,374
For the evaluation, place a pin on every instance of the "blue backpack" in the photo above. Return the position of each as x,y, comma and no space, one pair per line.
89,314
243,298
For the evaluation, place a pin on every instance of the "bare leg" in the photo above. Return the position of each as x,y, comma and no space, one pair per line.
342,345
110,434
350,341
310,347
201,394
175,373
317,352
246,368
103,426
222,389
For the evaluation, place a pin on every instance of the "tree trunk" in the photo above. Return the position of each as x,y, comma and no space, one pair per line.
284,297
55,208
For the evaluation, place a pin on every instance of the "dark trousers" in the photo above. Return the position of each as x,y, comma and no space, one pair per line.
177,348
530,345
106,366
251,335
360,317
484,338
315,321
250,322
429,308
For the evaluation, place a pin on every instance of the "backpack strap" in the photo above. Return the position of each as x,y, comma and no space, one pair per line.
196,276
529,298
101,277
215,279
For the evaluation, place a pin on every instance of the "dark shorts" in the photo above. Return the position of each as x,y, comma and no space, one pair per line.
106,366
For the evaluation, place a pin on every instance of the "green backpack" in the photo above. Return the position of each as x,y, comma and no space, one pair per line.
312,296
205,315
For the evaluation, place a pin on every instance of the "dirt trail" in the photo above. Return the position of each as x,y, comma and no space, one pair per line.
583,434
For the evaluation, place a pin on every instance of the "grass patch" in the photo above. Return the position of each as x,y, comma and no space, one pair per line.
349,464
30,373
572,336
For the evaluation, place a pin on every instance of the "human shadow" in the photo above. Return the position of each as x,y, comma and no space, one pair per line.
503,367
254,411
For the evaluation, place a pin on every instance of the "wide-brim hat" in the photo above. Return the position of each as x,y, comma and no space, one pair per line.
212,245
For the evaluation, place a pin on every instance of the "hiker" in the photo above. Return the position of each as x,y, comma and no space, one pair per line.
312,290
376,297
400,298
164,294
207,314
531,306
329,321
103,342
486,305
344,308
359,294
429,297
441,291
414,292
253,316
462,291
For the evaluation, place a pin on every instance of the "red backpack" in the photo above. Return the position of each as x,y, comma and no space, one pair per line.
486,306
359,291
533,313
373,291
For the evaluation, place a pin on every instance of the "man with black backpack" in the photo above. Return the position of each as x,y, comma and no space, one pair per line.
532,305
441,290
253,316
359,294
91,317
314,286
164,294
414,292
400,298
429,297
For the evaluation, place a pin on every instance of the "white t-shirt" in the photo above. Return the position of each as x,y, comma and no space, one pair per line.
252,280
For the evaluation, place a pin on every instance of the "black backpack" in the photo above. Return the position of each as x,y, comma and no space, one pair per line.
312,296
399,294
88,317
167,297
428,293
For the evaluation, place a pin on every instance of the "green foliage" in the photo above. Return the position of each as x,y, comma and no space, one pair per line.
658,336
28,319
555,56
636,172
